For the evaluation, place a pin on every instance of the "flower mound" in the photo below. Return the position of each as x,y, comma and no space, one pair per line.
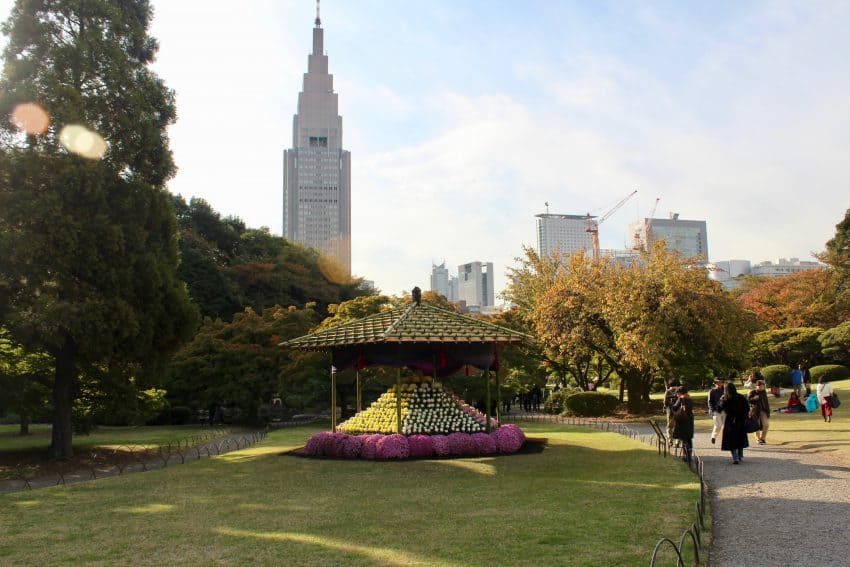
509,438
420,446
369,449
441,445
484,444
393,446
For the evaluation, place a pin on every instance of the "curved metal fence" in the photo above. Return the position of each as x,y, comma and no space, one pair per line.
690,543
132,458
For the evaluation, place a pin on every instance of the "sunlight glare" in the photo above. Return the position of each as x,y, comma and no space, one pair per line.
82,141
30,118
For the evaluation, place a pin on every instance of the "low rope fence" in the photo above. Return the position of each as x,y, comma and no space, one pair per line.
691,538
132,458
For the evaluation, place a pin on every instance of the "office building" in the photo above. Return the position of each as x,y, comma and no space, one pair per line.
562,234
475,285
317,170
687,237
444,283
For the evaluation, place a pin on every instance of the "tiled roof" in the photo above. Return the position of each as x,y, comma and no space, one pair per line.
415,323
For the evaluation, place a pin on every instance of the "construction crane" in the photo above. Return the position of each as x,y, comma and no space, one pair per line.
593,224
638,239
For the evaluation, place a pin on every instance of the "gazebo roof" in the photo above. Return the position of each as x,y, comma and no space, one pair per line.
415,323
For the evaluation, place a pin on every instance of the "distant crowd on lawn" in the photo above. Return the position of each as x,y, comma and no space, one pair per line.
734,415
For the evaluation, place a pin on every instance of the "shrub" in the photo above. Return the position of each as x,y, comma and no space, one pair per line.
591,404
555,402
352,446
461,444
830,372
315,446
181,415
777,375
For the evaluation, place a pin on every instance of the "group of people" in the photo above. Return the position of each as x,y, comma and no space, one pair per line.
733,415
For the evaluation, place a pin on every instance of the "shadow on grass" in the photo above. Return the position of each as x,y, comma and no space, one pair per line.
381,555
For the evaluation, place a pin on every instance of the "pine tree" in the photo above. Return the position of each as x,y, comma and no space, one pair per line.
88,270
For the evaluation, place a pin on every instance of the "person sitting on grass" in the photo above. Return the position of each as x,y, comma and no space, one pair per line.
795,405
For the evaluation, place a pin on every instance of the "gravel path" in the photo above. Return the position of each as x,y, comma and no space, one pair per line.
780,506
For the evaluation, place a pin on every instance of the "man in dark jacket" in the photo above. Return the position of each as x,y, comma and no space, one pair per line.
682,411
717,417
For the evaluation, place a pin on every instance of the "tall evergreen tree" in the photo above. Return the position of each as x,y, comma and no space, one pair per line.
88,269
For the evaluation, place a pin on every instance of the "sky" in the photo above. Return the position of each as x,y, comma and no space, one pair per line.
463,117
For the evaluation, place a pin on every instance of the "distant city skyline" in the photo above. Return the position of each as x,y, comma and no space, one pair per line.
466,117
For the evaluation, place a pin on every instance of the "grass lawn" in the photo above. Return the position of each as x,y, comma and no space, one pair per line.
590,498
31,450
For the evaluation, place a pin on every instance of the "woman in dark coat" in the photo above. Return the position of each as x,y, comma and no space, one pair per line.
682,413
734,427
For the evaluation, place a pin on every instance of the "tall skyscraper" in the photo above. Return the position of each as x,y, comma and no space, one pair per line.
563,234
317,171
475,285
443,283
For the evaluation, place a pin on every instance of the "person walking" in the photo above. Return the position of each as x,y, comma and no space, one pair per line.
824,392
736,408
717,417
797,379
760,409
670,396
682,411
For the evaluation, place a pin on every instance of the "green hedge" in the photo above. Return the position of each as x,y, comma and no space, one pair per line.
590,404
555,402
830,372
777,375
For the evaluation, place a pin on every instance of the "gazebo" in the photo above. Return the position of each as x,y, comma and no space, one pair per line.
419,336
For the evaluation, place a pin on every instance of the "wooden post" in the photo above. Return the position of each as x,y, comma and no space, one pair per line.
398,400
487,377
333,399
498,398
359,394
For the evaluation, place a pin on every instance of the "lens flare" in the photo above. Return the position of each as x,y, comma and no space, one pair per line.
30,118
82,141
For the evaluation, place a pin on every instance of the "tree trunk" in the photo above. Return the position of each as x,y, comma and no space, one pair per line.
63,385
25,425
635,386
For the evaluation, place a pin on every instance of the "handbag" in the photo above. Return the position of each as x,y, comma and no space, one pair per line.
834,401
752,424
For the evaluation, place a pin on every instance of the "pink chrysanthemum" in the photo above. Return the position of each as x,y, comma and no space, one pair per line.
420,446
393,446
369,449
441,445
509,438
484,444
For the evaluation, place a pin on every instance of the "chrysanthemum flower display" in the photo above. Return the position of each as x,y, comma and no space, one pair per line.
425,409
435,423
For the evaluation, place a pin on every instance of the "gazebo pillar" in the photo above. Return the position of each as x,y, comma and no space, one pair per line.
498,398
487,375
359,394
398,401
333,399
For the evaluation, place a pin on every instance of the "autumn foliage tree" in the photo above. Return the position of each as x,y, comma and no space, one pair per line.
653,316
806,299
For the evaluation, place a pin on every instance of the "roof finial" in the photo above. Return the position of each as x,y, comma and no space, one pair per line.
318,19
417,295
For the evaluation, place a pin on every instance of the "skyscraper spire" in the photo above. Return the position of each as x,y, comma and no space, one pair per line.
318,19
